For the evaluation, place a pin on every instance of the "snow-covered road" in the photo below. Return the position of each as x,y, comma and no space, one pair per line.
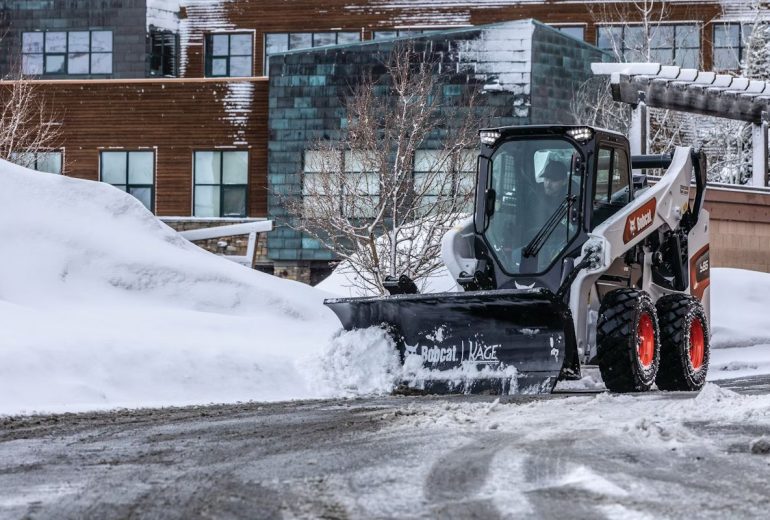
656,455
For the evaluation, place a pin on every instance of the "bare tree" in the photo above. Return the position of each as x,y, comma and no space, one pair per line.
383,195
28,124
634,32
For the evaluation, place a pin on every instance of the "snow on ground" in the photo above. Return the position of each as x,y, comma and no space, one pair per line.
102,305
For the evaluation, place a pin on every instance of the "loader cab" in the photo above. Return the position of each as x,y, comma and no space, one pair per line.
541,189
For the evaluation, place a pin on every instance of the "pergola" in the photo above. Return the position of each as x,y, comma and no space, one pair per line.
653,85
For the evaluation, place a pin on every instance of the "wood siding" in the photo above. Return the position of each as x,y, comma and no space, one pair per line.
365,16
175,117
740,228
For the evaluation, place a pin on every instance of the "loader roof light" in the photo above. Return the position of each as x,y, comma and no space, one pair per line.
489,137
581,135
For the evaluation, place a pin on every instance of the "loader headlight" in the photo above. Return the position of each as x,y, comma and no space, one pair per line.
581,135
489,137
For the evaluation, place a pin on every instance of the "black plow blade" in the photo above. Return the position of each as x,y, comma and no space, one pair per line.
499,342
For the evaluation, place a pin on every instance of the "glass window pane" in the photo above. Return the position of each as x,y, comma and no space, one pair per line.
726,59
408,32
633,38
240,44
240,66
101,41
276,43
320,161
78,63
49,162
207,167
687,36
431,161
114,167
234,201
688,58
32,42
54,64
206,201
140,167
609,38
575,32
746,30
219,67
726,35
79,41
143,194
664,56
661,37
348,37
219,45
32,64
235,167
384,34
55,42
300,41
101,63
324,38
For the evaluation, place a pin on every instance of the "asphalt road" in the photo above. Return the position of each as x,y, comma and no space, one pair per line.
404,457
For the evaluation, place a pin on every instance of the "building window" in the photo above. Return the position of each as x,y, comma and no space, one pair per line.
164,53
66,52
283,42
576,31
354,194
730,43
403,33
440,175
668,44
229,54
221,183
132,172
48,161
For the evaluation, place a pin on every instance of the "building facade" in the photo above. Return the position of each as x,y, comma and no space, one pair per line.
180,102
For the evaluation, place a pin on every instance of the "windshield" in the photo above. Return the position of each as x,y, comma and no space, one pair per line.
535,204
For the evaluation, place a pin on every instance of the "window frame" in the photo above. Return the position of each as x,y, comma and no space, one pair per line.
221,184
127,184
163,37
606,201
59,151
675,50
65,54
561,26
209,57
743,41
337,33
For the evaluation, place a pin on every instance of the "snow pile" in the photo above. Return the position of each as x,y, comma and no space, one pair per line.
102,305
360,362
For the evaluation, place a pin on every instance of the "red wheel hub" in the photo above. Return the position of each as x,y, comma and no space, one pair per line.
645,332
697,343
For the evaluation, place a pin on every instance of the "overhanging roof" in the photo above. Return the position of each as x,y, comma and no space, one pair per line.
688,90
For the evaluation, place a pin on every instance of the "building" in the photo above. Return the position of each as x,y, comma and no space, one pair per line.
179,102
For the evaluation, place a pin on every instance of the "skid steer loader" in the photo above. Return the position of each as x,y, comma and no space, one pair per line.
569,260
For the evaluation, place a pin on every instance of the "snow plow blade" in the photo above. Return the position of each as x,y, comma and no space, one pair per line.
495,342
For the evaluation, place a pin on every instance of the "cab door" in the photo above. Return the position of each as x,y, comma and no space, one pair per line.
612,184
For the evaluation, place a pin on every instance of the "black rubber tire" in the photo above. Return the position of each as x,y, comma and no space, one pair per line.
676,313
617,341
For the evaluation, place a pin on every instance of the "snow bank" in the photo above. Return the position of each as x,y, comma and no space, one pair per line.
102,305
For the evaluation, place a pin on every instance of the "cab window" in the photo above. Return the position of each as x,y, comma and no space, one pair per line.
612,187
